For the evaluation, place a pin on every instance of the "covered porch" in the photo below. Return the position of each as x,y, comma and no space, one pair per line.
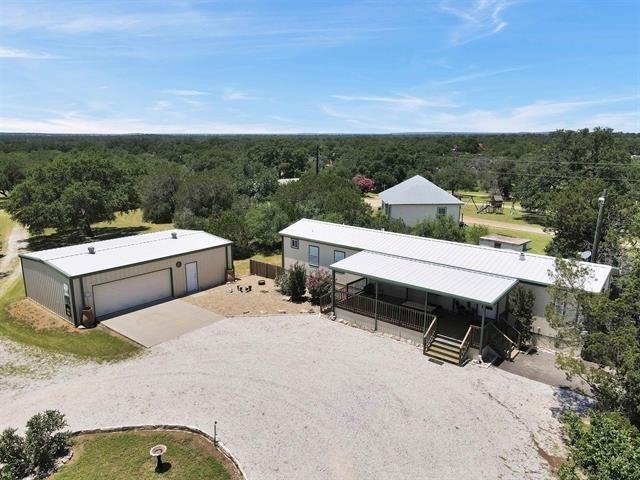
451,309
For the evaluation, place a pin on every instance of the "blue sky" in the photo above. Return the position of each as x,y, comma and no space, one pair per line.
179,66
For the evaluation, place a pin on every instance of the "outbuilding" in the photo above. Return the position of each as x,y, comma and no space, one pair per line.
114,276
418,199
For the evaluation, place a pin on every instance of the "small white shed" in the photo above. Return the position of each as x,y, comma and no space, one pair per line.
503,242
418,199
118,275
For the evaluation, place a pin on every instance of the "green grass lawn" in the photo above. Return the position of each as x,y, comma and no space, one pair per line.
95,344
119,456
518,217
538,240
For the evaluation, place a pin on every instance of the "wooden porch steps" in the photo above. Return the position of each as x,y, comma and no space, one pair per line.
445,348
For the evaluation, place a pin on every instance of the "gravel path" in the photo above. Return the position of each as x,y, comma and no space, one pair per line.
300,397
9,263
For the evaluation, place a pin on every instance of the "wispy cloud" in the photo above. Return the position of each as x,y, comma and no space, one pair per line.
25,55
539,116
407,101
233,95
476,75
478,19
184,93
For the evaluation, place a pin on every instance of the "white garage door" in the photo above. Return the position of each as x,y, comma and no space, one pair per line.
131,292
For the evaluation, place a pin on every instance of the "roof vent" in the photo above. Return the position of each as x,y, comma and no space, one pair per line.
174,235
92,250
522,257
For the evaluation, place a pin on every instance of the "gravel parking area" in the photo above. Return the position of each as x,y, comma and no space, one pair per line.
301,397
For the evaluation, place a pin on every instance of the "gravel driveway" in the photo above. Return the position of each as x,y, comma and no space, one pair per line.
301,397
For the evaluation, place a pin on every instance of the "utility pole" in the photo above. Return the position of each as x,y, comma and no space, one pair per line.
317,159
596,238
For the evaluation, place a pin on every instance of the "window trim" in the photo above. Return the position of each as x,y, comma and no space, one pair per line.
295,243
317,264
441,211
344,255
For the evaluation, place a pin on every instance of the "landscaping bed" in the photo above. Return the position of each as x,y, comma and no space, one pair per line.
123,455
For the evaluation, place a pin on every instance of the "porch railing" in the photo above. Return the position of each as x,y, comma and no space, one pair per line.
429,335
325,303
514,334
466,343
475,336
384,311
501,342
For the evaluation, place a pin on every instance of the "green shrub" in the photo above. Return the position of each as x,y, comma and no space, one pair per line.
293,281
474,232
297,281
318,283
12,455
37,451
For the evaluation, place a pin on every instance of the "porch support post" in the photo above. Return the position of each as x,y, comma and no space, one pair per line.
506,307
424,323
498,311
375,311
333,292
482,332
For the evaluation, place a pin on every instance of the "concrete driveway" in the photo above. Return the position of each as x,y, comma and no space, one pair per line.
159,323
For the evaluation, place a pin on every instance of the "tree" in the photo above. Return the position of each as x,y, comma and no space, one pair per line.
455,176
205,193
567,298
606,447
363,183
443,228
264,222
157,191
10,175
72,192
44,441
521,304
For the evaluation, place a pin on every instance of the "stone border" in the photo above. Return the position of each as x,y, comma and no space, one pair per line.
180,428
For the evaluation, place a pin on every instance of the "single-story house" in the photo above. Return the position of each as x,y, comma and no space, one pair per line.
495,240
114,276
417,199
464,284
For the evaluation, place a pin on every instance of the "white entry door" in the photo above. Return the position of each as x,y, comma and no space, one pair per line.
191,270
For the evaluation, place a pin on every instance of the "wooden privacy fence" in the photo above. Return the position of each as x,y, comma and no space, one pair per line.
263,269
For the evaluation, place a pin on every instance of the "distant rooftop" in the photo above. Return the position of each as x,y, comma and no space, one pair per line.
504,239
418,191
76,260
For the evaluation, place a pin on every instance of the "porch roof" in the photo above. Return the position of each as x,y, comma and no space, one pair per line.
468,285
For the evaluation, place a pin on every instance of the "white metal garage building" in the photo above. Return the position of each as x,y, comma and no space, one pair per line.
114,276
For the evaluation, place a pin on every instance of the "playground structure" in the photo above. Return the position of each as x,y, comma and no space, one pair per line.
494,203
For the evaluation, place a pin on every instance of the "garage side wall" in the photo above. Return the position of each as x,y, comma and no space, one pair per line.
46,286
211,272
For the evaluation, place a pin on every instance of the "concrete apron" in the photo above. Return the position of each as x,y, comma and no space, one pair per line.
159,323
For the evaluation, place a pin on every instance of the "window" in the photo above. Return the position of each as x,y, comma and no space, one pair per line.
497,245
338,255
295,243
314,256
442,211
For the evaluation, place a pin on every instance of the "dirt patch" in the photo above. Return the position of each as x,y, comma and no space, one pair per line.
230,301
38,317
554,461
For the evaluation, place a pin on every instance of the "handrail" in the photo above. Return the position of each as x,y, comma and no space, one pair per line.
510,343
429,335
511,330
464,346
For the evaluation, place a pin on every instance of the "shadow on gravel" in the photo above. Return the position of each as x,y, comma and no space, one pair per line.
64,239
570,400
